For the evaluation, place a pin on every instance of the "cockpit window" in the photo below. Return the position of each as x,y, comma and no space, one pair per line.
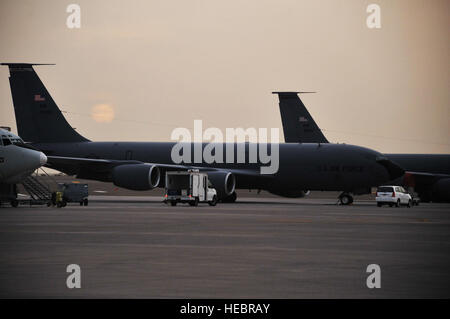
16,141
6,141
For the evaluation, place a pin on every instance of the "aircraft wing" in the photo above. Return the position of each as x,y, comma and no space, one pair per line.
80,166
413,178
101,168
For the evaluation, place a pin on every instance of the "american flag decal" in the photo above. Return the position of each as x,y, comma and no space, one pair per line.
302,119
39,98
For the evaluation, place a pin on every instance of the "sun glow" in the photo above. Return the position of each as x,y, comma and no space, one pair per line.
102,113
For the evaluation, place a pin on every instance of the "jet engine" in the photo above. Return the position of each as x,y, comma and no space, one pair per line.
441,190
223,182
139,177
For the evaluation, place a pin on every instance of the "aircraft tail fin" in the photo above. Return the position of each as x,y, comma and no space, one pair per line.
298,124
38,117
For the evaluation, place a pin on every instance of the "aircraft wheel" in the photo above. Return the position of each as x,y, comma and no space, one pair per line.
346,199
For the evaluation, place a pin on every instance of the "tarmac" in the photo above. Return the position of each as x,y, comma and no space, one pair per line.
138,247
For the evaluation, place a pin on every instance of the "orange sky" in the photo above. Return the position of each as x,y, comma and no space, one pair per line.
161,64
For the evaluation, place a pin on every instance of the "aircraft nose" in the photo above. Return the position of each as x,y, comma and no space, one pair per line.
393,169
42,159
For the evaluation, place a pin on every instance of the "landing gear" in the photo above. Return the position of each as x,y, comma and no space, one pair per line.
345,199
230,198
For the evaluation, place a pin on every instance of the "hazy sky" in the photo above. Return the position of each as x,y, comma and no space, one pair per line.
137,69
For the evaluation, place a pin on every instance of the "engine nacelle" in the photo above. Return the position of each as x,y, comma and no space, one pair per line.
223,182
290,193
441,190
138,177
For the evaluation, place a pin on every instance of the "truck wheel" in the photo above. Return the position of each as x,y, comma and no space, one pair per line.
63,203
195,203
213,202
14,203
81,203
379,204
86,202
173,203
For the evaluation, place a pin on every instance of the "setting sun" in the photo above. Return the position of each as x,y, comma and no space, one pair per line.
103,113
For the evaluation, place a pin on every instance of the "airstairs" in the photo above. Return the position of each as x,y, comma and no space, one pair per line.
39,192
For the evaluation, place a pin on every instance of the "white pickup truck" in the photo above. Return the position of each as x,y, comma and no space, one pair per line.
190,187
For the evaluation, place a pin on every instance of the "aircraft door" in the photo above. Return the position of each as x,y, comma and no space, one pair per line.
195,183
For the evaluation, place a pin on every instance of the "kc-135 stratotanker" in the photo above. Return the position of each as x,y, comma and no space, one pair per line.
139,165
428,174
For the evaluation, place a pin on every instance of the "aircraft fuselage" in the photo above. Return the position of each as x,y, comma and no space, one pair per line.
307,166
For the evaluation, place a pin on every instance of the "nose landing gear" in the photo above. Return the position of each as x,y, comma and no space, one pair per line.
345,198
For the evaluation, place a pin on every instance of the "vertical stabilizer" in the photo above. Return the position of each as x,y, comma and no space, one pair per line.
298,124
38,118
